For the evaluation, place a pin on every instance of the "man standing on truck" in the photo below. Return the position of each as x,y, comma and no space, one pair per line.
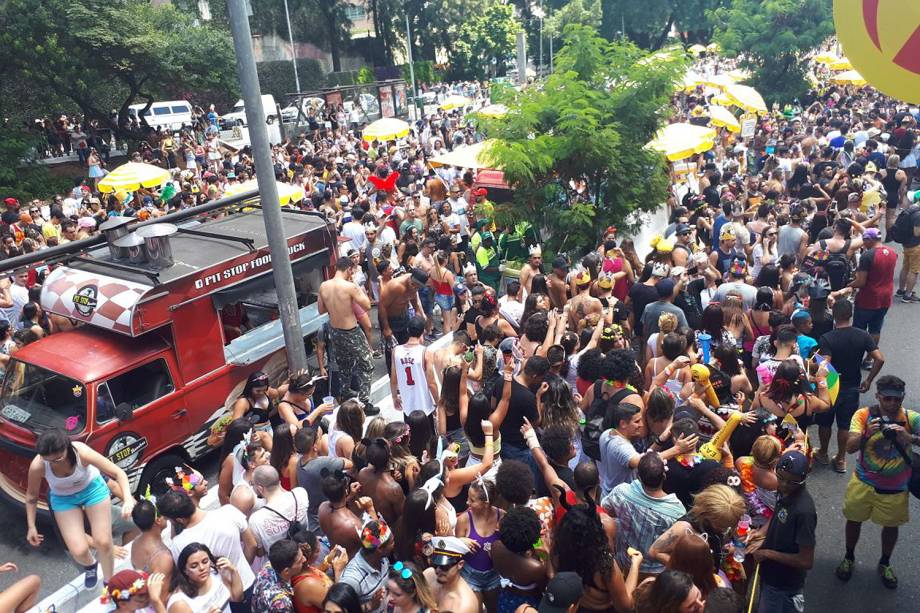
341,298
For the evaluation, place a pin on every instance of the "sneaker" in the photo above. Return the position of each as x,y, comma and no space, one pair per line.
377,354
90,576
889,579
844,570
910,298
840,465
900,292
820,456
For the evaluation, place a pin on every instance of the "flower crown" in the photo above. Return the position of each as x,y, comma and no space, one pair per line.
184,480
123,595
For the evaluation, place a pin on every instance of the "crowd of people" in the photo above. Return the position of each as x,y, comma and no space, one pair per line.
606,433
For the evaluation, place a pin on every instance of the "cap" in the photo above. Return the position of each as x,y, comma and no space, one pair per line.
892,392
123,585
561,263
682,228
660,269
871,234
419,276
460,289
507,345
480,192
562,592
665,287
374,534
605,280
455,189
800,314
448,550
795,463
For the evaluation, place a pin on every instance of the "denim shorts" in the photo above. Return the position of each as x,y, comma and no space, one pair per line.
89,496
870,320
444,301
481,580
425,298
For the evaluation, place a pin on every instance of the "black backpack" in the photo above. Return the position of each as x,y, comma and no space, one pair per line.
599,419
296,531
832,265
903,229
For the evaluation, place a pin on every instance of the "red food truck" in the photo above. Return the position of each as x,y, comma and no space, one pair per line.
172,315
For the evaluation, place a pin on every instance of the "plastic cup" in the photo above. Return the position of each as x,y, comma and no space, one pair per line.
329,400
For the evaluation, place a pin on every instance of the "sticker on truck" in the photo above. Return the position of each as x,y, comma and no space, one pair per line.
125,449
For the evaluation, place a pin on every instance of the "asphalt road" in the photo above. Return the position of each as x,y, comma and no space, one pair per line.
824,592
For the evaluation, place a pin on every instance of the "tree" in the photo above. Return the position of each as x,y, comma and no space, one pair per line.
772,38
92,51
574,149
649,22
485,43
581,12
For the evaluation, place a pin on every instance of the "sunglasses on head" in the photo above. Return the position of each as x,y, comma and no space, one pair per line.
404,571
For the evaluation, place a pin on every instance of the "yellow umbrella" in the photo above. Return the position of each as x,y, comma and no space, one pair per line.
712,47
849,77
746,97
841,64
719,81
493,111
385,129
691,81
721,100
474,156
825,58
287,193
133,176
682,140
738,74
697,49
454,102
723,118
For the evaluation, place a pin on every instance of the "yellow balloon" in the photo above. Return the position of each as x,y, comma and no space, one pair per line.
881,38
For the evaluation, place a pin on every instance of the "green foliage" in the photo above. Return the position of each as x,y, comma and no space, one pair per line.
581,12
772,38
365,75
128,48
277,78
486,42
424,73
648,22
24,182
573,149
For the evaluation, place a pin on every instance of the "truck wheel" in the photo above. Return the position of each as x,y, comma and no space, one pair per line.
156,472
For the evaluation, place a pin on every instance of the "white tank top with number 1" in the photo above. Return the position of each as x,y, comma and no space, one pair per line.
410,379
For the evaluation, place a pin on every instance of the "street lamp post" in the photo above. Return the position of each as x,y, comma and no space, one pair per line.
268,189
540,14
287,15
412,68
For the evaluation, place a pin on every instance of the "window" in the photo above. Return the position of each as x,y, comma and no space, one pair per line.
138,388
181,109
161,110
36,398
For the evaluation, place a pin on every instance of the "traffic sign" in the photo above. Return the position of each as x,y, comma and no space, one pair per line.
881,38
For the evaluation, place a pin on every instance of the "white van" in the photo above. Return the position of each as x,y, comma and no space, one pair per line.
170,114
237,117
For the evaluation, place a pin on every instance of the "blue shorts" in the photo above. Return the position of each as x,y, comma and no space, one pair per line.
444,301
870,320
481,580
425,297
89,496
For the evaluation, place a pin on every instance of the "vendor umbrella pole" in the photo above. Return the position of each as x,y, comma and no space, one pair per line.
268,188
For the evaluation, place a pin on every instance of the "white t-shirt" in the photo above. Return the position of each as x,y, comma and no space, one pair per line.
221,531
20,296
218,597
355,231
268,527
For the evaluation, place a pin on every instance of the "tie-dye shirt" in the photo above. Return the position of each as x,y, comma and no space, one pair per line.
880,464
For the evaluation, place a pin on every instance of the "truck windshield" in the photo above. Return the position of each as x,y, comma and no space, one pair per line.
36,398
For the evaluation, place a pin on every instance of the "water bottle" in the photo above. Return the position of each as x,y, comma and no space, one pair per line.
705,342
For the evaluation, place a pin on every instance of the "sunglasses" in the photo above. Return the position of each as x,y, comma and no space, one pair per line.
404,571
444,567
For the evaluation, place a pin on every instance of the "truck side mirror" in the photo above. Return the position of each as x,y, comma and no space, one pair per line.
124,411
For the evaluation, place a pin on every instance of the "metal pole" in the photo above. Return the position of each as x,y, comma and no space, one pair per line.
287,14
540,60
268,189
412,69
551,54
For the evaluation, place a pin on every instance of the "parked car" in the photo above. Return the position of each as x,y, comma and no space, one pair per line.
169,114
237,117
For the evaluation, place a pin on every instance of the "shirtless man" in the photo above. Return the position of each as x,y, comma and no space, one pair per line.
338,522
424,261
445,357
393,308
557,282
532,268
338,297
377,482
583,304
451,591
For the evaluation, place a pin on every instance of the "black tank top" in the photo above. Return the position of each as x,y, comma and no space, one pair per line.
892,187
